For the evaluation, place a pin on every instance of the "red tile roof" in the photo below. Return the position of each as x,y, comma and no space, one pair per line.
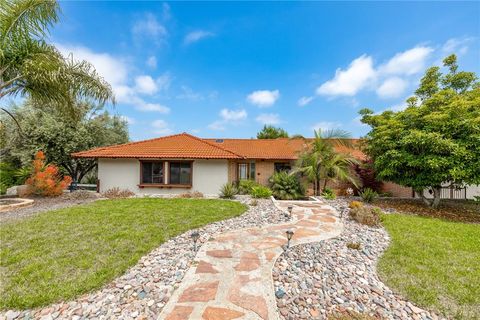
179,146
183,146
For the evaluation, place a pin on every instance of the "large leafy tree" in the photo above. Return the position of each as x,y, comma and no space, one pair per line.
436,139
29,66
271,132
58,136
321,162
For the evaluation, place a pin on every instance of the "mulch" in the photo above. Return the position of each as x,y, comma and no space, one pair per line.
452,210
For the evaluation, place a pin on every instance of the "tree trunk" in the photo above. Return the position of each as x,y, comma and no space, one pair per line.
436,197
325,184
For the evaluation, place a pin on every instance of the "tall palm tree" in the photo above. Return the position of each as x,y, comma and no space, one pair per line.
321,162
29,66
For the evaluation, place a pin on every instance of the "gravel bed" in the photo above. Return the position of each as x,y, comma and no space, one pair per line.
144,289
315,280
46,204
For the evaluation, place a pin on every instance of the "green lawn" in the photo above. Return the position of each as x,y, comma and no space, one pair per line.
434,263
63,253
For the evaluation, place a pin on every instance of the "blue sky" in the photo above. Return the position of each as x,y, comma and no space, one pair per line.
225,69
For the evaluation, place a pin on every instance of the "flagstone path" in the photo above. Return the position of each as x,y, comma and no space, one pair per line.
232,274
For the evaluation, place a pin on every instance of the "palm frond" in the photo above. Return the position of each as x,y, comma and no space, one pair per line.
24,19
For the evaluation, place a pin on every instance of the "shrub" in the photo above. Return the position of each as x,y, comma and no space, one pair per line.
328,194
117,193
368,195
354,245
194,194
261,192
286,186
228,191
245,186
355,204
254,202
367,175
7,176
366,215
476,198
81,195
46,179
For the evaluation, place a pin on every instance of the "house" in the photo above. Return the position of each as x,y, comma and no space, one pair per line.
183,163
180,163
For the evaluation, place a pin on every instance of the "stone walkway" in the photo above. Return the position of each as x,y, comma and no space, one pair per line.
232,274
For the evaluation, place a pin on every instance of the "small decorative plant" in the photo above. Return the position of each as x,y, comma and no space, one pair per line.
254,203
261,192
228,191
368,195
117,193
366,215
245,186
46,179
328,194
286,186
354,245
355,204
349,192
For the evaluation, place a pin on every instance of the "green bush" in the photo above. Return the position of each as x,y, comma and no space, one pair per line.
368,195
286,186
245,186
7,176
228,191
261,192
328,194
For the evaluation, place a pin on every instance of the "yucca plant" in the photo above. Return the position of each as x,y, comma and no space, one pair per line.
228,191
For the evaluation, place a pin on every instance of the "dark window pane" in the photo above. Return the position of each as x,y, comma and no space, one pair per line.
180,172
152,172
252,170
282,166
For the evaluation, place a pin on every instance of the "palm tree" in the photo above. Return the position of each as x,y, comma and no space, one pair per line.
322,162
31,67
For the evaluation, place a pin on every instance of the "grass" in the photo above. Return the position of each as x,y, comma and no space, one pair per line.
434,263
58,255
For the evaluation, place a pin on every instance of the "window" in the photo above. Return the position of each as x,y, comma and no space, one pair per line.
282,166
152,172
180,173
246,171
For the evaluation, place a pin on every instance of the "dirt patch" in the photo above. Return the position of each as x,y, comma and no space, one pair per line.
452,210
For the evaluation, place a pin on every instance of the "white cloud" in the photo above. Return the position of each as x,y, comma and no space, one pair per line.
268,118
114,70
303,101
408,62
263,98
145,84
189,94
151,107
161,127
458,46
348,82
152,62
163,82
392,88
325,125
197,35
231,117
149,27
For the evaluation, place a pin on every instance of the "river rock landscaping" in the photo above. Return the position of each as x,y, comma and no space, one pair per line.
144,289
316,280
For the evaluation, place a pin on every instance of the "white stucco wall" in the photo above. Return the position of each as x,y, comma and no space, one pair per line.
208,177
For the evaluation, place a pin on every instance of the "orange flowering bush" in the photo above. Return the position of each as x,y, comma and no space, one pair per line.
45,179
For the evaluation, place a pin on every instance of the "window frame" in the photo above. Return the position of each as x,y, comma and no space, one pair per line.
249,170
284,163
170,176
141,172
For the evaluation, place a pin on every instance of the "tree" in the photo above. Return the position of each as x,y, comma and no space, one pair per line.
436,139
29,66
59,136
321,162
271,132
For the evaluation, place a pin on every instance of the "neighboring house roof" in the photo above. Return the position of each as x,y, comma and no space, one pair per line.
184,145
